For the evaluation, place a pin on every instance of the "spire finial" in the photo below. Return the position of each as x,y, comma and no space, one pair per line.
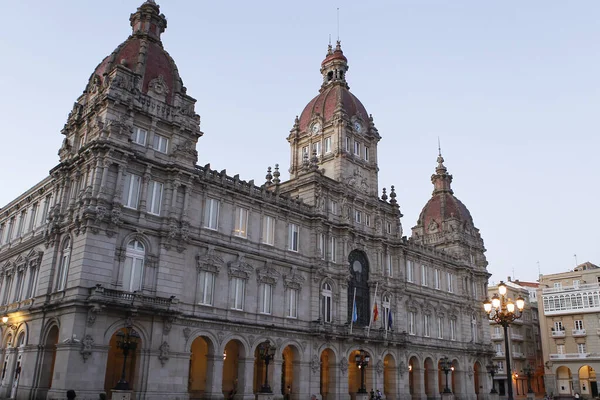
439,147
338,24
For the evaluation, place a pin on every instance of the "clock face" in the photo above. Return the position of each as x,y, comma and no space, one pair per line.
316,128
357,127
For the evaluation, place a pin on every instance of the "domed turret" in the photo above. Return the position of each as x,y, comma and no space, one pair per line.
335,131
446,223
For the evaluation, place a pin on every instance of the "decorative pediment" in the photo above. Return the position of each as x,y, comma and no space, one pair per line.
209,261
34,257
293,280
240,268
268,274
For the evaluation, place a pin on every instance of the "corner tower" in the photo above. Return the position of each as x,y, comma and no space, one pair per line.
335,133
446,224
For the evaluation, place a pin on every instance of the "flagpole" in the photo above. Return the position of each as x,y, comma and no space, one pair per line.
386,322
353,309
374,300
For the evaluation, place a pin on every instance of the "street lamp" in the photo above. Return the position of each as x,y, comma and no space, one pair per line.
267,353
528,371
126,341
492,369
502,311
446,366
362,359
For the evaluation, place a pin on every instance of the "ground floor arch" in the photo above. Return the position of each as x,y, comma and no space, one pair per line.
457,384
328,384
201,371
390,387
588,385
117,365
291,376
429,377
415,378
234,353
477,381
564,380
48,359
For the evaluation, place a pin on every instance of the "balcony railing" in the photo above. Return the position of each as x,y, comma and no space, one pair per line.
558,334
499,354
585,286
578,332
497,336
517,354
517,336
568,356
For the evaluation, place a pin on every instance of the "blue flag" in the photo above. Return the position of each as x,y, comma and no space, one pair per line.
354,313
389,320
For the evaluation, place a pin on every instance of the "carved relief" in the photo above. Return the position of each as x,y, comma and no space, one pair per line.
379,367
158,89
268,274
186,333
209,261
87,345
240,268
163,353
315,365
344,366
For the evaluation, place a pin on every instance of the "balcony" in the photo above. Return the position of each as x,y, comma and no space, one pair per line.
499,354
518,355
568,356
578,332
558,334
517,337
499,336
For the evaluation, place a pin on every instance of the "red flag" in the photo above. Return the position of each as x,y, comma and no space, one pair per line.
375,312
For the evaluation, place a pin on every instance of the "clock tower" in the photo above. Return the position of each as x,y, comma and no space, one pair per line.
334,133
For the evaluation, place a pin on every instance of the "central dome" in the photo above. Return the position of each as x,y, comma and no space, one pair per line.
334,93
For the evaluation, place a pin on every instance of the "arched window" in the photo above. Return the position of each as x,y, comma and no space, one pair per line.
133,272
387,312
326,302
63,267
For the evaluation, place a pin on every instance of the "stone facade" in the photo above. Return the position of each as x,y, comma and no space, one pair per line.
127,235
571,330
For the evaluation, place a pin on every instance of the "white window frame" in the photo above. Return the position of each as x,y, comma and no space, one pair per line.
368,219
19,285
268,234
424,275
388,226
388,264
440,327
317,148
560,349
410,271
32,216
327,303
366,153
358,216
332,248
135,255
154,197
426,325
578,323
211,214
237,293
452,329
437,279
321,245
305,152
450,282
32,282
206,287
386,305
347,144
266,299
160,143
581,348
63,266
139,136
327,145
412,316
131,191
292,309
357,148
241,222
293,237
333,207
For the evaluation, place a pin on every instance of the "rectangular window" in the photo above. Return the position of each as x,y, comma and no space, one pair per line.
322,245
581,348
292,303
426,326
139,136
293,238
356,148
424,275
32,283
500,365
206,285
131,191
557,285
33,216
237,291
412,316
558,326
367,219
266,294
317,148
268,230
160,143
347,144
579,324
154,197
366,153
19,286
450,279
7,288
576,283
305,152
333,207
132,274
437,279
332,248
2,226
47,202
388,264
9,231
211,214
452,329
560,348
388,226
357,216
409,271
241,222
21,223
328,145
440,327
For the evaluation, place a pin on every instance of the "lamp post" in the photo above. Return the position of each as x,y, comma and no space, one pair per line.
446,366
528,371
267,353
502,311
492,369
126,341
362,359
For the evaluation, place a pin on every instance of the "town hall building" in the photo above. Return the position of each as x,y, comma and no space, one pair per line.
218,286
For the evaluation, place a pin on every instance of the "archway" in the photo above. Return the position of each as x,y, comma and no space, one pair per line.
563,380
48,358
232,369
587,382
116,362
328,383
389,377
457,384
355,372
476,378
200,377
359,282
290,373
414,378
429,374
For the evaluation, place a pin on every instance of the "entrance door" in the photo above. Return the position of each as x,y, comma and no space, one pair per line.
501,388
594,387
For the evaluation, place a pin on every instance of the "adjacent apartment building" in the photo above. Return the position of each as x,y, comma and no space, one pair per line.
569,321
525,349
210,273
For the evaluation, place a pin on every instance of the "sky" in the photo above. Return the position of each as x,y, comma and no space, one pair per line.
511,89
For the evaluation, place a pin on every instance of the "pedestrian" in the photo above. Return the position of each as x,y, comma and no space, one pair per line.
372,394
313,397
576,396
378,395
71,394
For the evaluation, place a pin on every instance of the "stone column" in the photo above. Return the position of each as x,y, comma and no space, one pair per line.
173,208
214,376
97,180
275,375
118,193
105,166
341,375
144,192
245,389
312,370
